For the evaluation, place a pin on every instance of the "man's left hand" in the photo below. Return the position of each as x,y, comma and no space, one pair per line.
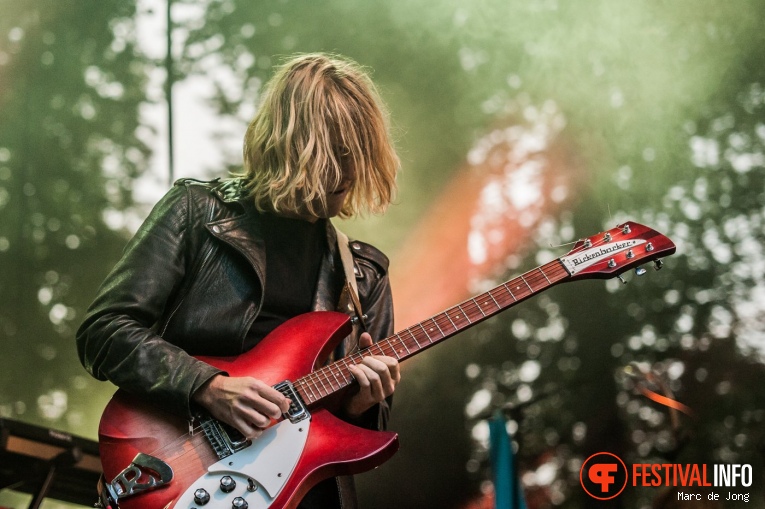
377,377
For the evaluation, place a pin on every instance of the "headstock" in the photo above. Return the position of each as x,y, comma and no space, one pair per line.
610,253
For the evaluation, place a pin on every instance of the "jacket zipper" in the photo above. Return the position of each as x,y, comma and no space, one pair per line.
187,289
195,272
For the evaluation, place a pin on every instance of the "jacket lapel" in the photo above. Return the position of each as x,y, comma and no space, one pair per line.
245,234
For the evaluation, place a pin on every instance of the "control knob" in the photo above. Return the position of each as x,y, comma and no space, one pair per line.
239,503
201,497
227,484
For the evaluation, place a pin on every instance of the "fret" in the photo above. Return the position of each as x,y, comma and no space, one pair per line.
479,308
450,319
313,394
527,284
510,292
414,337
347,375
438,327
312,381
466,315
300,388
545,275
404,344
340,373
334,375
495,300
356,358
380,347
303,395
347,371
312,377
322,384
395,352
426,333
398,350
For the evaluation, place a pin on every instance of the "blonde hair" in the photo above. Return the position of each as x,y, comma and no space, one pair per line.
314,105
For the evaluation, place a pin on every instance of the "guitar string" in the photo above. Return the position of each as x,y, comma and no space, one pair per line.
467,309
323,373
195,431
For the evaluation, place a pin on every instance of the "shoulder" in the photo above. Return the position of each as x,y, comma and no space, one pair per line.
367,254
229,193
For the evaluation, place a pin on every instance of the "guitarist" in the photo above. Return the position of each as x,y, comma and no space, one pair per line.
218,265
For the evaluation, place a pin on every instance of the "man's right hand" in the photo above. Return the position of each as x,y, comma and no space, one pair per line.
246,403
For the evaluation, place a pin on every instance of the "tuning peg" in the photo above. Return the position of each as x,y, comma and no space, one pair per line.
624,281
640,271
658,264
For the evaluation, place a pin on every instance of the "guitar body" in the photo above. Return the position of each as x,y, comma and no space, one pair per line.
285,462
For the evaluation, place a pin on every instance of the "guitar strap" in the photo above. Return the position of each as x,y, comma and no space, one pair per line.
350,276
346,487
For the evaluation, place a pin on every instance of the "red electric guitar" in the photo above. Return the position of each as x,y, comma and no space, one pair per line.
154,460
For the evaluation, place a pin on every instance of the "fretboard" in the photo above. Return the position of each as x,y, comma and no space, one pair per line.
333,377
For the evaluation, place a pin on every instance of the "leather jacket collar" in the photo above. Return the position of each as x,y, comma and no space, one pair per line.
244,233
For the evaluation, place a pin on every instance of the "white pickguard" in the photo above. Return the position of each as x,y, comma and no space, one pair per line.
269,461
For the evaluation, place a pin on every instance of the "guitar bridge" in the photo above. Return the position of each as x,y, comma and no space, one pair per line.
297,410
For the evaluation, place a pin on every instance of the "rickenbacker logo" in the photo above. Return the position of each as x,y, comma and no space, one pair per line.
576,262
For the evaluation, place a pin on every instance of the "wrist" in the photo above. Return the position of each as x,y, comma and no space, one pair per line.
203,394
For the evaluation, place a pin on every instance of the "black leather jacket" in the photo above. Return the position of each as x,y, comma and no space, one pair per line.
191,281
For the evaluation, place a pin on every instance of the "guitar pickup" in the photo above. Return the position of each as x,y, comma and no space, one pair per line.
297,410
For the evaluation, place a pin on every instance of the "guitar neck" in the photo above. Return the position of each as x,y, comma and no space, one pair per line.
406,343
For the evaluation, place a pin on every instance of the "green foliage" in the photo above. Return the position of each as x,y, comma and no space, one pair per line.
71,84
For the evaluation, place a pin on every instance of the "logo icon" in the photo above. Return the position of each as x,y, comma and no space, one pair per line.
603,475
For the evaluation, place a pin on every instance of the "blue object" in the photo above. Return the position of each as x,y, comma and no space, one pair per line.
508,493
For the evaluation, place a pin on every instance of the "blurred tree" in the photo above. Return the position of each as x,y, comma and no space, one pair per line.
71,83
